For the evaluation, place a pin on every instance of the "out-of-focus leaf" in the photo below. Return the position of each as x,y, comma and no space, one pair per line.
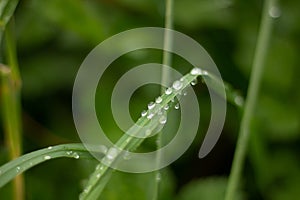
280,64
192,14
280,121
127,186
207,189
72,15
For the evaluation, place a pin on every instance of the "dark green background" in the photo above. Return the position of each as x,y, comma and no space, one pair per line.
53,38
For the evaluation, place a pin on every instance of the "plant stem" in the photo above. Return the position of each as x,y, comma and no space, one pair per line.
165,80
255,80
168,43
11,85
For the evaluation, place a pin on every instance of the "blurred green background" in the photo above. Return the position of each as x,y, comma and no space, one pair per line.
53,38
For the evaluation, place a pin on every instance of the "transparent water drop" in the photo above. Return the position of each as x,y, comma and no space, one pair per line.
204,72
158,177
69,152
144,113
168,91
239,100
275,12
112,153
87,189
176,106
194,82
196,71
148,132
166,107
127,156
158,100
99,167
151,105
177,85
98,175
163,119
103,149
50,147
18,169
47,157
160,112
76,156
150,115
184,93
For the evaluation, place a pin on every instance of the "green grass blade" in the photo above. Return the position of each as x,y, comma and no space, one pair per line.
25,162
7,9
165,79
255,80
128,142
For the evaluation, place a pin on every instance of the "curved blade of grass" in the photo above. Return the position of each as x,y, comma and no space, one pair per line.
7,9
25,162
129,142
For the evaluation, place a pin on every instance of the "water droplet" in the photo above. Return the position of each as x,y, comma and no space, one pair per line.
239,100
127,156
194,82
151,105
76,156
160,112
158,100
103,149
148,132
275,12
168,91
163,119
47,157
176,106
87,189
177,85
144,113
166,107
112,153
205,73
184,93
69,152
98,175
50,147
158,177
18,169
196,71
150,115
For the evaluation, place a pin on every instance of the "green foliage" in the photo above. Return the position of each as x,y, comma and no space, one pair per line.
54,36
210,188
25,162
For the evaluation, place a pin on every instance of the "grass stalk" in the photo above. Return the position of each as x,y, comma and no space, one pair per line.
165,80
255,80
11,103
